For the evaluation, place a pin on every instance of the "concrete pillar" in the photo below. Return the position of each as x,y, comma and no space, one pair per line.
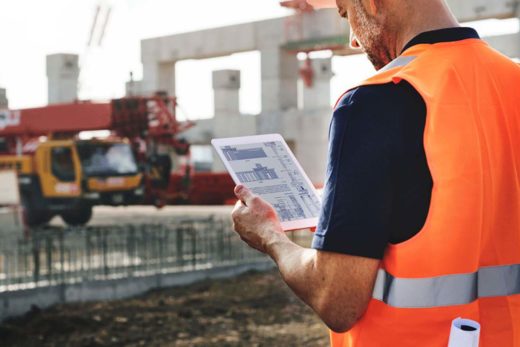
167,77
4,103
226,87
318,95
307,129
158,77
133,87
228,121
279,87
62,77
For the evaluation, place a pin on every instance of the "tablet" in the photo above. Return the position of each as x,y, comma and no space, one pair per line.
266,165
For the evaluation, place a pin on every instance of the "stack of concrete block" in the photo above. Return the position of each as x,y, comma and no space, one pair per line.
62,76
226,87
4,103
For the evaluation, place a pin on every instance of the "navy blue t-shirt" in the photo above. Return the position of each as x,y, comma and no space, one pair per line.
378,184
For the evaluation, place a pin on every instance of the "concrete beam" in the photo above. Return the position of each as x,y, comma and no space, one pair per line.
224,41
323,24
200,44
470,10
291,33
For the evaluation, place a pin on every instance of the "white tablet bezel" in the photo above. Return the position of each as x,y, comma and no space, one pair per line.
244,140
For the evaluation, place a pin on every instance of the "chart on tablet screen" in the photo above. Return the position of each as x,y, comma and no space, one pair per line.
268,170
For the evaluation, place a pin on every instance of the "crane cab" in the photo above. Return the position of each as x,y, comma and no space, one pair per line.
59,169
71,176
60,174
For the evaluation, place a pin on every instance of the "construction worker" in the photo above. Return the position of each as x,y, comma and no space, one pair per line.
420,221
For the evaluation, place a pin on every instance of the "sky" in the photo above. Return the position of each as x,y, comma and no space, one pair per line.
31,29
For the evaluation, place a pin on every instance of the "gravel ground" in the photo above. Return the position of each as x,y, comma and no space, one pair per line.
255,309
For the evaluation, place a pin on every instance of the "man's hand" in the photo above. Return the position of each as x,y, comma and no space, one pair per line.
255,220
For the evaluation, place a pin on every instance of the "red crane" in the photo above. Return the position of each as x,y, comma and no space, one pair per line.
60,171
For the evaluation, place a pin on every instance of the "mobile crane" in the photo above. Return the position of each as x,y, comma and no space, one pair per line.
62,174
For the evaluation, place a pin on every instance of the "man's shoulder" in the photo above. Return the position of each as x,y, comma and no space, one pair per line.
380,96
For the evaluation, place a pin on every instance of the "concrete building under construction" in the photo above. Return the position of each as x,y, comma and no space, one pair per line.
278,41
303,123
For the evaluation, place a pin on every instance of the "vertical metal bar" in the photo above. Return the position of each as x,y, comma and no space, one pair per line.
88,255
163,243
180,245
193,246
229,246
104,248
207,235
16,263
144,243
23,245
48,252
220,241
36,258
62,258
6,268
130,250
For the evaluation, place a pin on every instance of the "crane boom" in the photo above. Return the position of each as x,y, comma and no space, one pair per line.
60,118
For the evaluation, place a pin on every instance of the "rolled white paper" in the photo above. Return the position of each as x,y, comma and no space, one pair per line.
464,333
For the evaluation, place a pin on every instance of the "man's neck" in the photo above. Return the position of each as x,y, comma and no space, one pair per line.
438,17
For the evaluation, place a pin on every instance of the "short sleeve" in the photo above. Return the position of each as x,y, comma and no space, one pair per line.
364,157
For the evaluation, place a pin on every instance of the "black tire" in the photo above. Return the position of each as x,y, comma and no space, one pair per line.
77,216
34,215
35,218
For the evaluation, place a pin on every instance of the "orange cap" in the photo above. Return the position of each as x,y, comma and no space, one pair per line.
322,3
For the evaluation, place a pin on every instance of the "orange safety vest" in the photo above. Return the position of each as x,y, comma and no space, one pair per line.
465,262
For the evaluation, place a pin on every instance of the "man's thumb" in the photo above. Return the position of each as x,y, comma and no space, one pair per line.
243,193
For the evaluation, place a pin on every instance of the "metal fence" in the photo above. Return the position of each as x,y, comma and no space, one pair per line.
71,255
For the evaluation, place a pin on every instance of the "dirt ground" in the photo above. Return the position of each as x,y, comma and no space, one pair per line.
255,309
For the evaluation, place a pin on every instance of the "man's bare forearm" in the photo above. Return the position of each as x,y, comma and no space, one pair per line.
309,280
330,283
296,265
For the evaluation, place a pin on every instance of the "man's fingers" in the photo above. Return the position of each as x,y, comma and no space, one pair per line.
244,194
238,208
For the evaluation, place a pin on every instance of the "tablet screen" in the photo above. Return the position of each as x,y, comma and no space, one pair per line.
269,169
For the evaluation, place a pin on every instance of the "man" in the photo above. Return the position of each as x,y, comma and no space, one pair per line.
421,209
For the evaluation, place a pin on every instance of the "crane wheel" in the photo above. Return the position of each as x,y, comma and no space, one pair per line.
78,216
34,214
35,218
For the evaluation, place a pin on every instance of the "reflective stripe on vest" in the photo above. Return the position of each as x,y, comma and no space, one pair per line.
447,290
397,62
